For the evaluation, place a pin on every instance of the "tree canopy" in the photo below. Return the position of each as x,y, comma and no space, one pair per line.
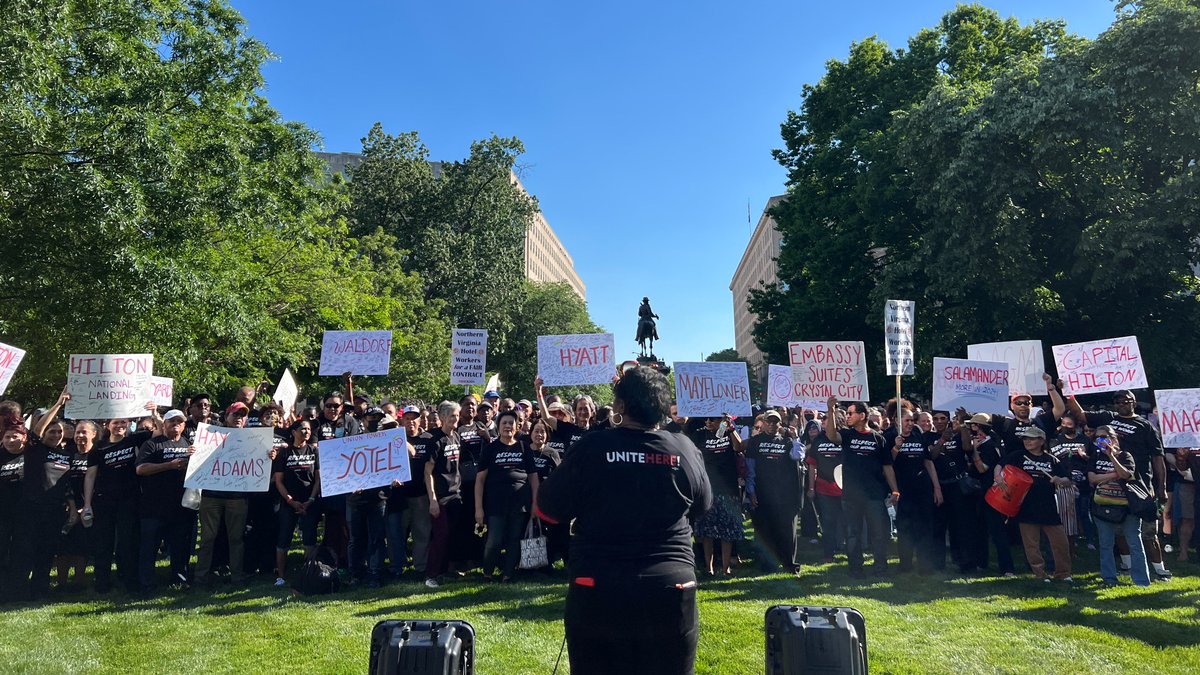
1015,181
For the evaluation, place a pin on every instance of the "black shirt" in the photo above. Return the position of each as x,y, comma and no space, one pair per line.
863,457
909,464
776,474
950,462
720,460
12,478
631,494
827,457
507,486
546,462
1137,437
566,435
419,447
471,437
162,492
989,455
46,474
298,466
1076,452
116,477
444,456
1006,429
1040,506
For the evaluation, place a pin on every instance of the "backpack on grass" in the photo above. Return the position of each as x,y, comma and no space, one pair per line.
318,576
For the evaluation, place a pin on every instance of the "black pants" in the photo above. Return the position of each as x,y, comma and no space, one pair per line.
16,552
775,532
857,509
262,529
631,629
115,532
990,526
45,530
505,530
558,541
177,527
914,529
954,518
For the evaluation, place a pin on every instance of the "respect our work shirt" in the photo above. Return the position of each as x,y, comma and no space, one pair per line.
826,456
776,474
507,485
566,435
1076,451
1137,437
162,492
863,457
12,477
46,474
632,495
1040,506
546,462
419,448
950,463
720,460
909,465
116,477
297,466
444,458
1112,491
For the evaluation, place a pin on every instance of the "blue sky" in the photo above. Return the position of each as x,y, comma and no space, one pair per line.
648,126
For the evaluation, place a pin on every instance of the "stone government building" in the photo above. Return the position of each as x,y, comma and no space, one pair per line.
757,268
546,259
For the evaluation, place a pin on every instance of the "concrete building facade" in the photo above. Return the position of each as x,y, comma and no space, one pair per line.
757,268
546,259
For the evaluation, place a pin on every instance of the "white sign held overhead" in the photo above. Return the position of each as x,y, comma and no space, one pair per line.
1100,366
779,387
287,391
712,389
898,329
356,352
1179,417
232,460
162,391
468,357
364,461
824,369
977,386
108,386
10,358
576,359
1026,363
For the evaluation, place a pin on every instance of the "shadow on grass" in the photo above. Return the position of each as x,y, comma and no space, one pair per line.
1158,631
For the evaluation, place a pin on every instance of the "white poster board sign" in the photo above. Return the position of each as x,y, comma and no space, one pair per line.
108,386
10,358
977,386
468,357
162,391
1100,365
287,391
363,462
779,387
576,359
358,352
898,327
712,389
824,369
233,460
1179,417
1026,363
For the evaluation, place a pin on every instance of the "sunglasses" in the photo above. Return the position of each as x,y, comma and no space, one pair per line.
332,406
1022,402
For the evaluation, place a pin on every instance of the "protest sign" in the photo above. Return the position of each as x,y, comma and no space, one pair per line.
162,391
576,359
977,386
468,357
824,369
233,460
1100,366
287,391
108,386
1179,417
898,323
779,387
1026,364
364,461
10,358
712,389
366,352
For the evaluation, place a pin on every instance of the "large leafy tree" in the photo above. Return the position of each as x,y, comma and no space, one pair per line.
151,200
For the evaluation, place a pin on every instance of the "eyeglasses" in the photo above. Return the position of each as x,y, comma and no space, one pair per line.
1124,401
1022,402
332,406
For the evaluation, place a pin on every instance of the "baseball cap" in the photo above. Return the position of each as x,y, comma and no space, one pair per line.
524,403
411,410
771,413
1031,432
174,415
491,393
373,410
237,408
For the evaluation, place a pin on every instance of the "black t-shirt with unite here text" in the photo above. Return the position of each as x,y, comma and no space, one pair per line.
632,495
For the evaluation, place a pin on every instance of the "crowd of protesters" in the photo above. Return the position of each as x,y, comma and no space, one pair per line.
843,480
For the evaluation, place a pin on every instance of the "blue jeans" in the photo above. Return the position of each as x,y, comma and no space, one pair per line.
413,518
1132,529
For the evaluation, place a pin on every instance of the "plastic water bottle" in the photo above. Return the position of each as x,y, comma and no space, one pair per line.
191,499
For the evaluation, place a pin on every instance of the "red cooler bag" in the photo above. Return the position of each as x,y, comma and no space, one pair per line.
1009,503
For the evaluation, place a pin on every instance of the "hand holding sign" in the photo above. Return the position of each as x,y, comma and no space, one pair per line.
576,359
712,389
229,459
359,352
363,462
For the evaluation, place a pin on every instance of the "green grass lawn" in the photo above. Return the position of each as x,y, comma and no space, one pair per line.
914,625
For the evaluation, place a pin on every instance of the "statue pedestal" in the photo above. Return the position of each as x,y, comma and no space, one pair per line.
652,361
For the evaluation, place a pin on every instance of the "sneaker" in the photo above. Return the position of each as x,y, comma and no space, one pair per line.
1091,547
1068,580
1163,575
431,583
1047,580
279,583
1167,548
1012,575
